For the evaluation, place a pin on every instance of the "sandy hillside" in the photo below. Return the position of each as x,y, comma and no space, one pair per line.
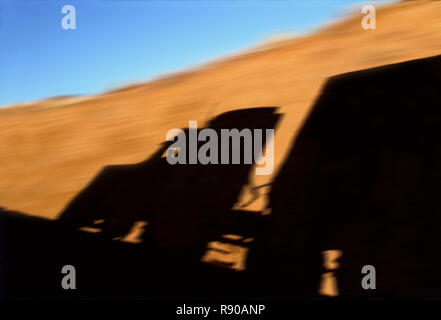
51,149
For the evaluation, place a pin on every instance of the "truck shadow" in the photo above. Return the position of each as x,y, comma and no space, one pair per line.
362,176
185,206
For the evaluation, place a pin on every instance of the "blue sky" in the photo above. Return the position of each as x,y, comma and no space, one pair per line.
121,42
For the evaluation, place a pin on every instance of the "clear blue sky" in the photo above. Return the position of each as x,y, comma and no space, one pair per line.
120,42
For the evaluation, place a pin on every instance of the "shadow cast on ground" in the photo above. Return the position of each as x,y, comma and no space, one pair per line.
362,176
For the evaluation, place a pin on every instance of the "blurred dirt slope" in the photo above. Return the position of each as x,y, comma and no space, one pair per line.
51,149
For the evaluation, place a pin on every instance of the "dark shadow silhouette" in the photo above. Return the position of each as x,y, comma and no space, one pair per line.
183,203
186,206
363,176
